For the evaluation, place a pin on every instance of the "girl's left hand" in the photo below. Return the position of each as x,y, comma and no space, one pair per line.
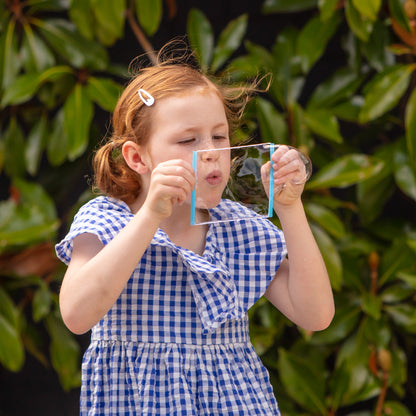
289,175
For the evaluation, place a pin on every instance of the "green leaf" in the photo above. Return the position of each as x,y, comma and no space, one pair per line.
35,145
386,92
104,92
25,86
64,352
8,309
339,87
229,40
360,25
404,173
201,36
326,219
313,38
82,15
399,15
9,55
368,8
409,278
303,380
323,123
346,171
149,14
330,255
403,315
327,8
272,124
78,112
13,144
68,43
395,409
12,353
371,304
288,6
57,145
39,57
410,124
110,18
42,302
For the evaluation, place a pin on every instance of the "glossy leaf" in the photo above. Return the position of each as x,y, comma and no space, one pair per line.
8,309
326,218
11,347
303,380
42,302
39,57
68,43
346,171
110,16
9,55
404,173
386,92
399,15
395,409
410,123
330,255
229,40
272,124
288,6
327,8
360,25
64,353
58,141
36,142
201,36
82,16
13,145
104,92
324,124
403,315
25,86
149,13
313,38
368,8
78,112
339,87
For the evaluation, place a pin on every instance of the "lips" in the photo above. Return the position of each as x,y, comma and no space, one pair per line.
214,177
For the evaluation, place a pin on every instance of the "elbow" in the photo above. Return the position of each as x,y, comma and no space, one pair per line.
320,321
72,319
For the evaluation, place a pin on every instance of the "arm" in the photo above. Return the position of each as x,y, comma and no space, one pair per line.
96,275
301,289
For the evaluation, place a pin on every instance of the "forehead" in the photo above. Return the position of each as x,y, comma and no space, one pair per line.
195,106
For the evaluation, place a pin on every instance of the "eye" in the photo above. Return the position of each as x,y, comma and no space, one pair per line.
187,141
219,137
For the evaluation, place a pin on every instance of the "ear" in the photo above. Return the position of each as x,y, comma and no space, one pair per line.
133,155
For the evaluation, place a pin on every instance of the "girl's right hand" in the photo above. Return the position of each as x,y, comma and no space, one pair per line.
171,183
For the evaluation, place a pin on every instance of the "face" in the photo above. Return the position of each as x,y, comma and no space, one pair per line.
195,121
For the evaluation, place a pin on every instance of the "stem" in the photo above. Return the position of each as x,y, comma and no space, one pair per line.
140,36
381,399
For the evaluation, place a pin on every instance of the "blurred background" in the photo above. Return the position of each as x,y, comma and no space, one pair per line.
342,91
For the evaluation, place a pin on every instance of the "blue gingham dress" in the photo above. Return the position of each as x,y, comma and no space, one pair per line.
176,341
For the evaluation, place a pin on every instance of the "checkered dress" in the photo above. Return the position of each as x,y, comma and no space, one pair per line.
176,341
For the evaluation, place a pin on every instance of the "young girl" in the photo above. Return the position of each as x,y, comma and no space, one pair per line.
167,302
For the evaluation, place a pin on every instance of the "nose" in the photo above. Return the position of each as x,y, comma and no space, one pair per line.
209,153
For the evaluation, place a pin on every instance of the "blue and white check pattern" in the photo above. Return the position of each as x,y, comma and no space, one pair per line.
176,341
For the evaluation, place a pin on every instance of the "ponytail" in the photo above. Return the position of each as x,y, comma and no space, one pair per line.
112,175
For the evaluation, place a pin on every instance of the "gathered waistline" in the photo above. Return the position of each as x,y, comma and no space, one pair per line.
227,343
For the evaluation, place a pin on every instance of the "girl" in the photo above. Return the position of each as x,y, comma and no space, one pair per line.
167,302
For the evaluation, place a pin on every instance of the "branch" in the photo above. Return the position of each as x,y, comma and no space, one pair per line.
140,36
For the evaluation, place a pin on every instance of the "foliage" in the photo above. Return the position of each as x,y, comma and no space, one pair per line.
358,124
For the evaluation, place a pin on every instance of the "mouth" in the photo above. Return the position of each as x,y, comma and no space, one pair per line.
214,177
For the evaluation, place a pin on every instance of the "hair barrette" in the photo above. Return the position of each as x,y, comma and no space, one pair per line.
146,97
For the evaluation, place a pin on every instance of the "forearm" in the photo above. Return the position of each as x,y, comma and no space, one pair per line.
308,287
96,276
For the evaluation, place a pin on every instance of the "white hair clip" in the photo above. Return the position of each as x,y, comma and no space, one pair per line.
146,97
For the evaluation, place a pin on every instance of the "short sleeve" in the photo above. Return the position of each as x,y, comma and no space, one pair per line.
102,216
